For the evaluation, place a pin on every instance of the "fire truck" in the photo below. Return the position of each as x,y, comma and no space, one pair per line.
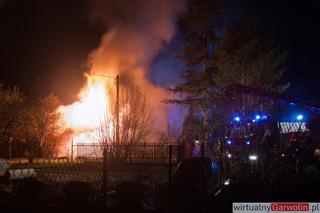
290,134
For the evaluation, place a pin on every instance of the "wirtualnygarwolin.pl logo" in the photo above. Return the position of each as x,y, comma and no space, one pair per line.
283,207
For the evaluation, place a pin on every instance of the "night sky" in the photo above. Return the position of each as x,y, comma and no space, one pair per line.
295,24
43,43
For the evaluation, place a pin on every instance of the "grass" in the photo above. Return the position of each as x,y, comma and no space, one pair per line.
64,170
55,174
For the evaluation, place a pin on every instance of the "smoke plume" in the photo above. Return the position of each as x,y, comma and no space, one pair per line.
136,30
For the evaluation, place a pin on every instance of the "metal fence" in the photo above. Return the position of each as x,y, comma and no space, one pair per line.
137,153
93,165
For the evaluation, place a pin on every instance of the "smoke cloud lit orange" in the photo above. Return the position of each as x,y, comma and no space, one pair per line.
135,32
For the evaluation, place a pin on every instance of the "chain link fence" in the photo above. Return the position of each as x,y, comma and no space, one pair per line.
92,167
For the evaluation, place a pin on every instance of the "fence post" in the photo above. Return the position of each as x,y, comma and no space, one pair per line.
72,150
170,163
105,176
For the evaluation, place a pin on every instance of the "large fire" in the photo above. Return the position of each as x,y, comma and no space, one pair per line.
132,40
86,116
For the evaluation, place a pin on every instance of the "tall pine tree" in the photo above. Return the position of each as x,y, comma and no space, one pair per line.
197,27
248,56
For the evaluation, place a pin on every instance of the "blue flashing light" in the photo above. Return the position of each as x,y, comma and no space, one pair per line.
248,142
237,119
259,117
229,142
299,117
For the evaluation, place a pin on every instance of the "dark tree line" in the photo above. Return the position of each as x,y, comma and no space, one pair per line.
28,128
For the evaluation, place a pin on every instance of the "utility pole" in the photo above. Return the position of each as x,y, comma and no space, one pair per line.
10,148
117,110
72,150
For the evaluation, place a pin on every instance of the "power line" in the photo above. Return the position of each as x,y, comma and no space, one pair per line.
83,72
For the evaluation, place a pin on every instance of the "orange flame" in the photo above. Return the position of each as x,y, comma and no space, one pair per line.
85,116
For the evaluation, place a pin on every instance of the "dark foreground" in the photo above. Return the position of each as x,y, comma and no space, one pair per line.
145,188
